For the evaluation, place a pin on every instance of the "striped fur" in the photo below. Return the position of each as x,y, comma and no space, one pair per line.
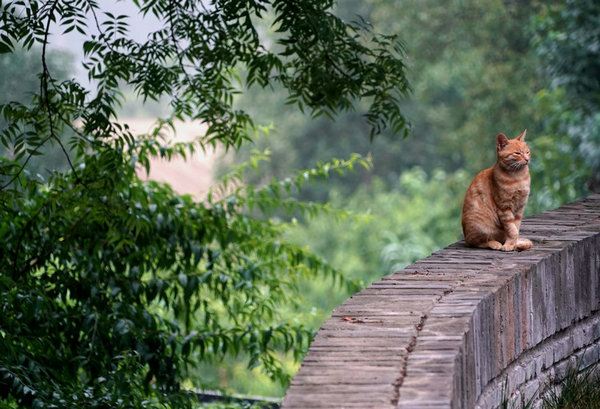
495,200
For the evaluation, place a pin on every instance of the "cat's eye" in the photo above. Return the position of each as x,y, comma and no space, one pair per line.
517,153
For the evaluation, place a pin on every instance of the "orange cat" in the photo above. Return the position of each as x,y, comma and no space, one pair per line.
495,200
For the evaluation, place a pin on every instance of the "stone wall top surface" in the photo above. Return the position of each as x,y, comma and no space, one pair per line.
437,333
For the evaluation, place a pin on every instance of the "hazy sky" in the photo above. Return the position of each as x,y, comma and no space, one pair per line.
139,28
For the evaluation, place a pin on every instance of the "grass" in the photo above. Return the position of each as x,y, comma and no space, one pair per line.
513,404
580,389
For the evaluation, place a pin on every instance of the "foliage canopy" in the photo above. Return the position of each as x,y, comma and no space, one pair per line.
110,286
567,39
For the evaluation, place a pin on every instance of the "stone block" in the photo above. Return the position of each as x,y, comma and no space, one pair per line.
590,355
516,377
563,348
530,369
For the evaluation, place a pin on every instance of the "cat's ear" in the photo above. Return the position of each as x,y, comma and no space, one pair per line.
522,136
501,141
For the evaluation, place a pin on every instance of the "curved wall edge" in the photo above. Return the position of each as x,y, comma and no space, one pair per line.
457,328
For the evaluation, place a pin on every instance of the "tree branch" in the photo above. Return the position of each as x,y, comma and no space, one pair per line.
46,100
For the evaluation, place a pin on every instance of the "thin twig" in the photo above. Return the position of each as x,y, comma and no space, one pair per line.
179,50
44,92
46,99
22,235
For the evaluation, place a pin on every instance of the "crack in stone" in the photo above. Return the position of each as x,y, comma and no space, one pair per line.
413,343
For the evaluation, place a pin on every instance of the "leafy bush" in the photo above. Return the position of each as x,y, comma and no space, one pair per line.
389,228
111,287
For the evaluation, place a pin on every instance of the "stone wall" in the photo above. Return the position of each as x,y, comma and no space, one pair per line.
458,328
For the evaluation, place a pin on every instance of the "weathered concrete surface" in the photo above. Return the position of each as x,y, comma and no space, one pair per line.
451,330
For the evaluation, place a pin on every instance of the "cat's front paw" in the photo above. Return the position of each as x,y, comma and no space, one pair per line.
524,244
508,247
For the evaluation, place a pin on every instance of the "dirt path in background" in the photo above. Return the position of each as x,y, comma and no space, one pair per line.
192,176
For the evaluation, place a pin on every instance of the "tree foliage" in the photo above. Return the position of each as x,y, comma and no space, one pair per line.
19,71
394,225
473,74
112,287
568,41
